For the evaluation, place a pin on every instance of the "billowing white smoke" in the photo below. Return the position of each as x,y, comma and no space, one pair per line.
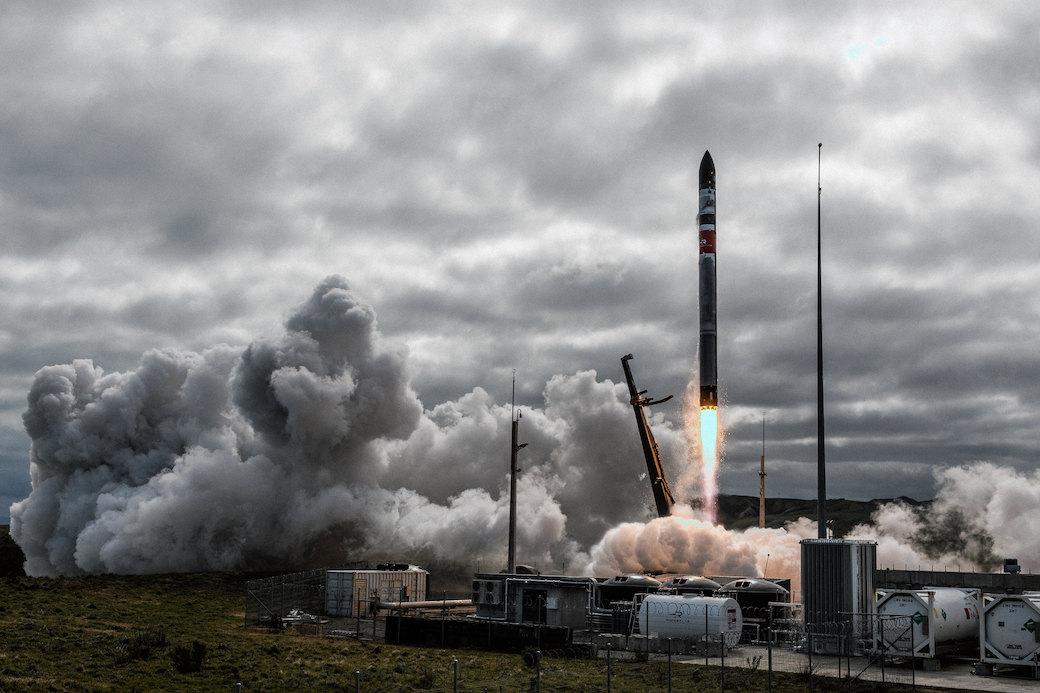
313,448
687,543
982,514
310,448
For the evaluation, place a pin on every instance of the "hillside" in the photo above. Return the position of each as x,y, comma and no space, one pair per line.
11,556
738,512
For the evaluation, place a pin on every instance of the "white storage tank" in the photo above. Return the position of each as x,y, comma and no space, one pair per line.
691,617
926,622
1010,629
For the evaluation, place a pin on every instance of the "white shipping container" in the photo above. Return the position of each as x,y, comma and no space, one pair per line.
691,617
926,622
352,593
1009,631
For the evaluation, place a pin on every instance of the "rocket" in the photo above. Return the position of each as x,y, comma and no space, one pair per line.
709,377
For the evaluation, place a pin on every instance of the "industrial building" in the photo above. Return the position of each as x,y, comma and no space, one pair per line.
355,593
553,600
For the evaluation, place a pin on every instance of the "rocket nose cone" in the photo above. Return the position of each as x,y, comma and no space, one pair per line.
707,166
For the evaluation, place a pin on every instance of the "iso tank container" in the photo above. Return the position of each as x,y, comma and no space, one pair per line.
1009,630
690,617
926,623
352,593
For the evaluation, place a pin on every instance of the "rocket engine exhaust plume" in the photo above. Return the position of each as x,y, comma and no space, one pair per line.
709,437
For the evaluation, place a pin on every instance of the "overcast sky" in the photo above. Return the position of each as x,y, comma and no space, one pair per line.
516,187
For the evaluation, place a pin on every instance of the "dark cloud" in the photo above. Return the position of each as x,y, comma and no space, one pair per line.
514,187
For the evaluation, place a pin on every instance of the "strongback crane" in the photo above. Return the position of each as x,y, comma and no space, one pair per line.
662,493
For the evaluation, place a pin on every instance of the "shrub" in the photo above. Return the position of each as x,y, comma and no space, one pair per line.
140,644
188,659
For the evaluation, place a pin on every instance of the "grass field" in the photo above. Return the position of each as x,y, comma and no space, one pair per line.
122,633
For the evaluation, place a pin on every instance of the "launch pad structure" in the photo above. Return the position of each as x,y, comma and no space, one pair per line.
639,400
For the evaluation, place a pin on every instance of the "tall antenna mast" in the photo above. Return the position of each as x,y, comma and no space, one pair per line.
762,478
514,447
821,471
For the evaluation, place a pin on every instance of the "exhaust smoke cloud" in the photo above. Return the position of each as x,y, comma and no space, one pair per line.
313,448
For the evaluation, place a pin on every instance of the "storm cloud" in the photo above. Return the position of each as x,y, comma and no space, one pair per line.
514,187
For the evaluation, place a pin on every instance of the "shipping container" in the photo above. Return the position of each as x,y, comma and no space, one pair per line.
353,593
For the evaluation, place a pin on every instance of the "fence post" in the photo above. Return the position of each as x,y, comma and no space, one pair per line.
375,617
444,609
669,665
769,650
357,682
808,648
646,627
538,671
722,659
455,674
881,628
705,638
913,659
610,671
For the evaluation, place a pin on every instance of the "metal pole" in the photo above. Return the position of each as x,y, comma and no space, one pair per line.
539,624
769,650
722,661
913,660
669,665
357,682
537,671
762,479
513,449
610,671
444,609
646,626
455,674
881,627
705,635
821,468
808,647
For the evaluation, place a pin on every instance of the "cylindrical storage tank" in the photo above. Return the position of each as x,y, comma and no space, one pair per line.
674,616
926,623
1010,632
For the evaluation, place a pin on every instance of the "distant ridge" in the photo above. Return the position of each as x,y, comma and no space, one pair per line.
11,557
739,512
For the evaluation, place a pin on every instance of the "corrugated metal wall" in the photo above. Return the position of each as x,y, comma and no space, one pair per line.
352,592
838,585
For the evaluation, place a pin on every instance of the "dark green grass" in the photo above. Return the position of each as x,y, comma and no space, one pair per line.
120,633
